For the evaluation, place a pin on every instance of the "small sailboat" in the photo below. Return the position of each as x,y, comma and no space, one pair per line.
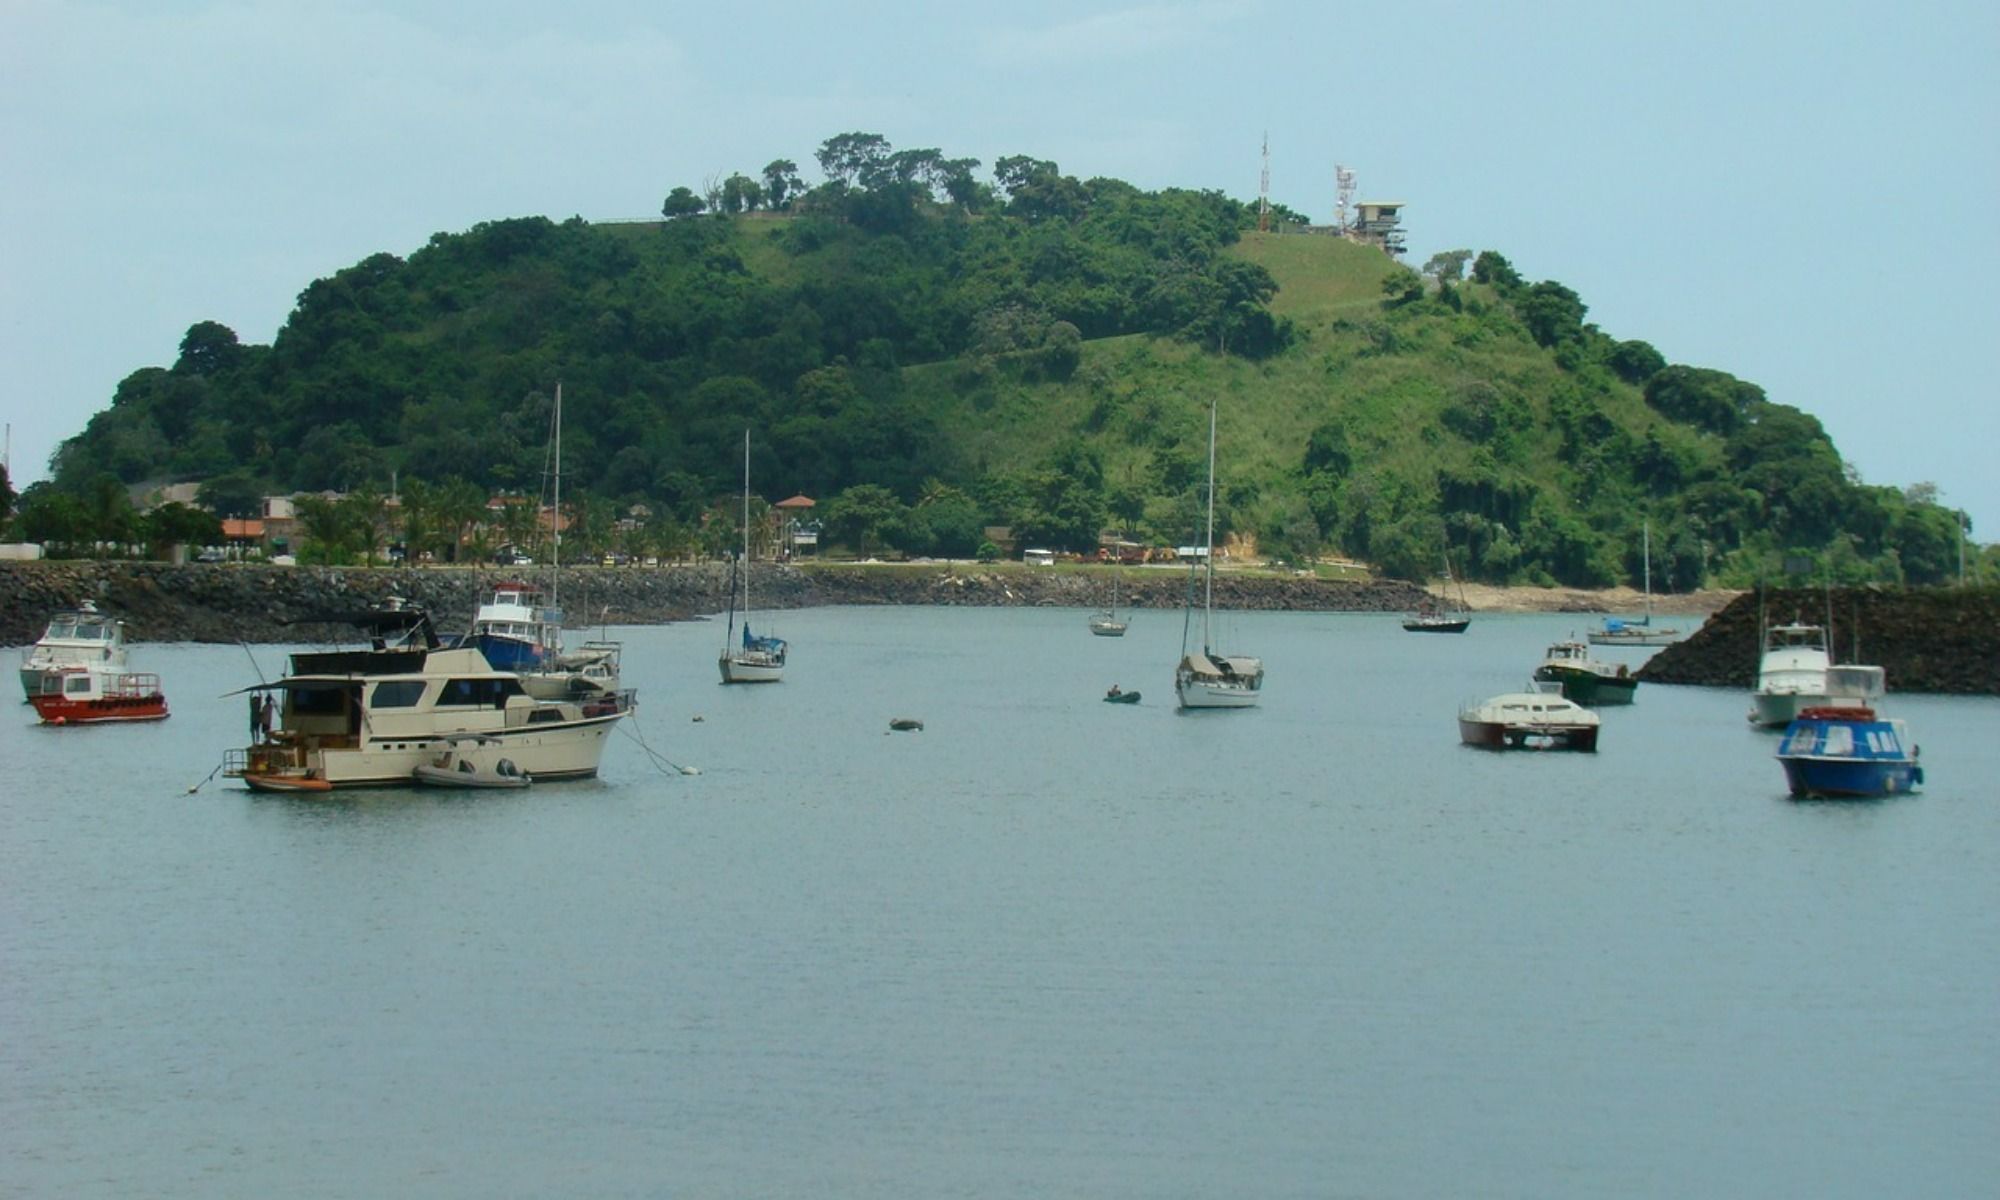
757,659
1432,618
1209,679
1106,623
1637,631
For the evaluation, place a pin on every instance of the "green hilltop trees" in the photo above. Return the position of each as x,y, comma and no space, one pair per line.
929,352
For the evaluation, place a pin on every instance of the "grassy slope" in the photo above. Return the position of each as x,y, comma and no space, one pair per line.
1133,392
1389,375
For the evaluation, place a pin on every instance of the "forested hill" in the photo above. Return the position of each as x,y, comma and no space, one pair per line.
926,354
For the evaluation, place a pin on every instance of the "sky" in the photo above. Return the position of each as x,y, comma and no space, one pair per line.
1799,193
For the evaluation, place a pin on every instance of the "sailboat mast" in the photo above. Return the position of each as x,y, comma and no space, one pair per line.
1208,582
1646,565
555,518
746,527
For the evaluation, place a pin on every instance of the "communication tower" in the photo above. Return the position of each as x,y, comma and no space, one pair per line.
1264,190
1343,196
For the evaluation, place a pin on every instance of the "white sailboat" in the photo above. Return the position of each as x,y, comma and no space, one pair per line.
1208,679
756,659
1106,623
1627,631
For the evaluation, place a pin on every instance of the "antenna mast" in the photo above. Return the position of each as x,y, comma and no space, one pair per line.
1264,189
1343,196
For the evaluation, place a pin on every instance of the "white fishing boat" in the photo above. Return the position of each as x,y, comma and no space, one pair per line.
370,717
1209,679
1638,631
1795,671
74,637
758,659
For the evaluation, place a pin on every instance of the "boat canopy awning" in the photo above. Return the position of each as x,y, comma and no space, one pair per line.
1221,666
298,683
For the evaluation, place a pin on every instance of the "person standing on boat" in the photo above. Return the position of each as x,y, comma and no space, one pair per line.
264,715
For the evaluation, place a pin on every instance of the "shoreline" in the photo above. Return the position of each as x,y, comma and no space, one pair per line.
226,602
1615,601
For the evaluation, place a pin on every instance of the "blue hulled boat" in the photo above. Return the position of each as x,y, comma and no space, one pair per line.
1848,751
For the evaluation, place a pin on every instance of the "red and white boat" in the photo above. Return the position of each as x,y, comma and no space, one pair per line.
88,695
76,637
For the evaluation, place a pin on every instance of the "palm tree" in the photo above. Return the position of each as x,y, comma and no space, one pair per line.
461,509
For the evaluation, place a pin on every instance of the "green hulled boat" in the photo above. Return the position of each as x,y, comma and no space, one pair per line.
1585,680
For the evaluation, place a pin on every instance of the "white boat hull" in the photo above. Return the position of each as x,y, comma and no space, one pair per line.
737,669
1539,720
1772,709
1107,627
571,750
1661,637
1199,694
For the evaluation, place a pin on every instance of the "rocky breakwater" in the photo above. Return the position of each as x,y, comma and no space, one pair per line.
959,584
226,602
1927,640
230,602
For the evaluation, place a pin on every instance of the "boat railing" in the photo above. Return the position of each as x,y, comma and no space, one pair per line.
264,758
134,685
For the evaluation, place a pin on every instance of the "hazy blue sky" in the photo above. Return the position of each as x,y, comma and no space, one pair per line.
1802,194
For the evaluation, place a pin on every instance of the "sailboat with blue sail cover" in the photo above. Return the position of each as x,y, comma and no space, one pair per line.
758,659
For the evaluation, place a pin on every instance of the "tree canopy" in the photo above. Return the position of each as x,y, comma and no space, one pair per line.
1028,349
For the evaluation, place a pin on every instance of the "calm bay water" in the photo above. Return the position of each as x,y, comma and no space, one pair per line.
1047,946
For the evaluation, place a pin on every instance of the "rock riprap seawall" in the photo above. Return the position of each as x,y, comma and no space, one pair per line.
1927,639
226,602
